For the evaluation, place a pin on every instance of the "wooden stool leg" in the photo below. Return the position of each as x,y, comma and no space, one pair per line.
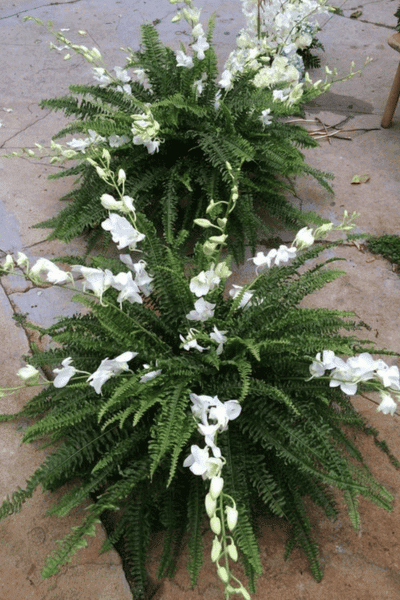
392,100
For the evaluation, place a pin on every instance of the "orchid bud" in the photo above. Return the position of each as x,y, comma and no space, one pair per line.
222,222
218,239
101,172
95,54
203,223
176,18
121,177
109,202
209,248
22,260
211,505
106,155
216,549
231,517
245,593
127,201
8,265
215,524
223,574
29,374
217,483
232,551
222,270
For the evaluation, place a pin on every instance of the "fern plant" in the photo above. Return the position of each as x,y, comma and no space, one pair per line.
157,365
175,107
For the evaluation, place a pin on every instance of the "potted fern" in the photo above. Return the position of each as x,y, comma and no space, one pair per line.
179,398
171,121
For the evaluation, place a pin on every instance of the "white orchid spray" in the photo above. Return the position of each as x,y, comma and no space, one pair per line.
212,417
357,370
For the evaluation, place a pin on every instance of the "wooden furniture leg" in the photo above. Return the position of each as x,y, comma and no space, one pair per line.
392,100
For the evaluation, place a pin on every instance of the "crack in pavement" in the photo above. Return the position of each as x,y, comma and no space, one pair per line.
15,312
41,6
24,129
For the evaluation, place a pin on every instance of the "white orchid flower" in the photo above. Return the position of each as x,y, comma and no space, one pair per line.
64,374
198,31
108,368
142,278
95,279
329,361
261,259
200,405
203,311
54,273
387,405
122,232
121,74
198,85
79,144
110,203
152,146
115,141
101,77
389,376
348,374
183,60
246,298
226,80
223,412
150,375
304,238
219,337
204,282
281,95
128,289
190,342
200,463
266,118
284,254
200,47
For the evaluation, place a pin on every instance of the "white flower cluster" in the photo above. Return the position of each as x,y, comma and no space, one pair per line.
212,416
104,78
358,369
191,15
107,369
98,281
274,31
145,130
201,285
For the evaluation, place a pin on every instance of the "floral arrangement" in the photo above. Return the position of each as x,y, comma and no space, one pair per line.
178,396
172,122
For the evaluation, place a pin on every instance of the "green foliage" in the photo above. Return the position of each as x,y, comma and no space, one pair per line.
388,245
125,447
175,185
397,15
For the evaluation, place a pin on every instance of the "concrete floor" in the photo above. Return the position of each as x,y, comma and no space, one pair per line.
363,566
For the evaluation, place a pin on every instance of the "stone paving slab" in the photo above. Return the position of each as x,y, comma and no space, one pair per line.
361,567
